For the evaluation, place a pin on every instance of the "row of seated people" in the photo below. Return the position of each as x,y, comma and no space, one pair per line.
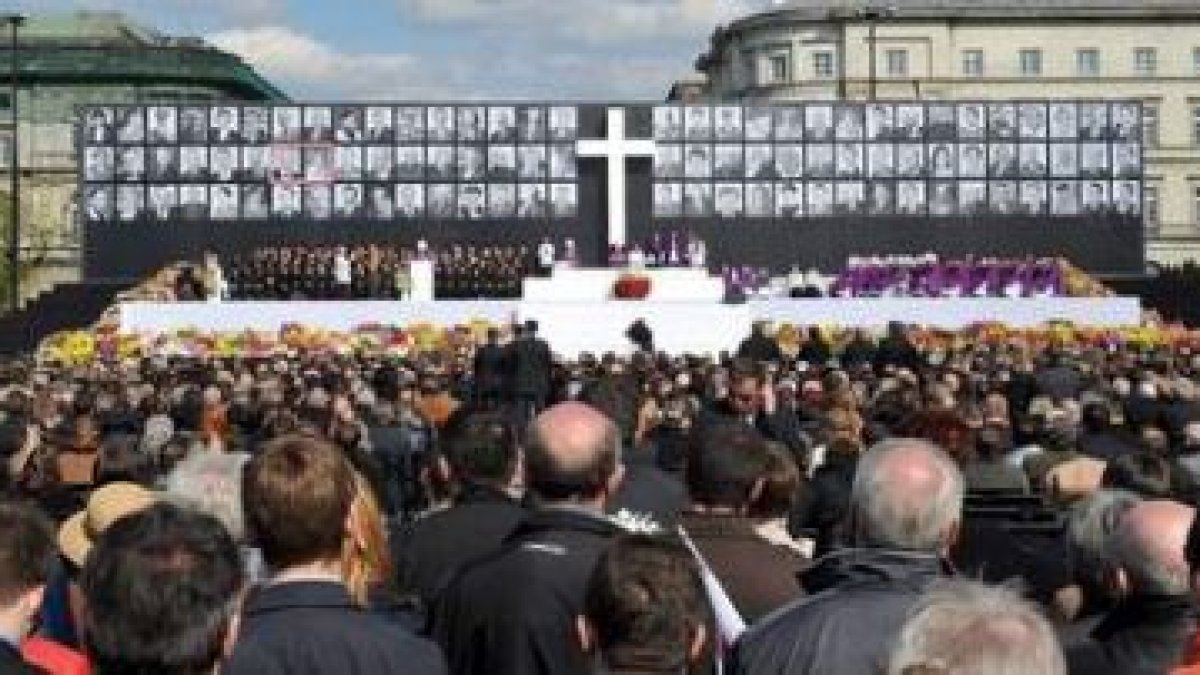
928,276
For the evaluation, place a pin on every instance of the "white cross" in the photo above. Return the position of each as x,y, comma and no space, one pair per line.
616,149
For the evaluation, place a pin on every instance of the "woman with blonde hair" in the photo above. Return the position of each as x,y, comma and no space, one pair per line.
366,557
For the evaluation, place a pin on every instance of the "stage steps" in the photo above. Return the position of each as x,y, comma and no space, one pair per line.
65,306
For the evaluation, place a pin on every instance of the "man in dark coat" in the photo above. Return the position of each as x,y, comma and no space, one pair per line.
1151,627
490,371
531,370
753,404
482,459
906,506
298,494
896,351
514,613
759,347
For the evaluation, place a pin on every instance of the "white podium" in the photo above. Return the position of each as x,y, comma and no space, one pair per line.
421,274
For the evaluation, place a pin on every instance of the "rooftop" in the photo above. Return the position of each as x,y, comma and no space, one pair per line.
980,9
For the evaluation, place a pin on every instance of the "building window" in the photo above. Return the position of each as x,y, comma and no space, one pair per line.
778,65
1150,124
973,63
1087,62
1196,124
823,64
1196,205
1031,62
1196,60
1150,208
1145,60
897,62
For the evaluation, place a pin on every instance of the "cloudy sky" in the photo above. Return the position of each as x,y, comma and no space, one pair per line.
447,49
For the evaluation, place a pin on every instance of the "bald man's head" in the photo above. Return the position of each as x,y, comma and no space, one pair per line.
1148,548
573,454
907,494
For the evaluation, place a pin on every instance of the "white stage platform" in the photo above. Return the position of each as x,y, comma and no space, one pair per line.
668,284
571,327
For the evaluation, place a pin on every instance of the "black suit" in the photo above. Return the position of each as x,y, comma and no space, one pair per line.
491,373
531,364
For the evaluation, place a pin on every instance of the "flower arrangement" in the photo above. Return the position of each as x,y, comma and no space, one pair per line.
632,286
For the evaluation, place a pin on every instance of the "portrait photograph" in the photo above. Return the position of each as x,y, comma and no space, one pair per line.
668,200
472,123
131,202
1002,120
98,163
910,121
502,163
440,124
381,203
850,197
472,201
193,202
1064,121
348,200
881,160
1064,160
972,197
819,161
380,162
1035,197
318,201
224,124
410,124
668,160
698,122
697,200
531,162
789,160
910,198
819,198
848,122
223,162
818,122
1126,121
728,122
472,162
881,122
1127,160
193,162
758,123
255,202
348,124
941,122
668,123
256,159
760,199
379,124
564,123
1094,199
1064,198
1032,120
410,200
697,161
320,163
1093,121
942,158
1002,196
727,161
1127,197
910,160
789,200
531,123
1033,160
163,200
531,200
502,125
881,198
562,161
972,121
348,162
439,162
849,160
1003,161
789,123
727,202
223,201
130,124
943,198
502,200
564,200
131,164
760,161
972,160
162,124
162,163
256,124
193,124
1093,160
285,128
439,202
318,123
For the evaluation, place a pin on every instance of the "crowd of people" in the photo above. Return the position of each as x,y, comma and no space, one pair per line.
928,277
865,507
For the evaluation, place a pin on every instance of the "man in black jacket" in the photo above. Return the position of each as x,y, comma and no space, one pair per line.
531,368
759,347
906,506
298,494
482,459
514,613
490,371
1150,628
